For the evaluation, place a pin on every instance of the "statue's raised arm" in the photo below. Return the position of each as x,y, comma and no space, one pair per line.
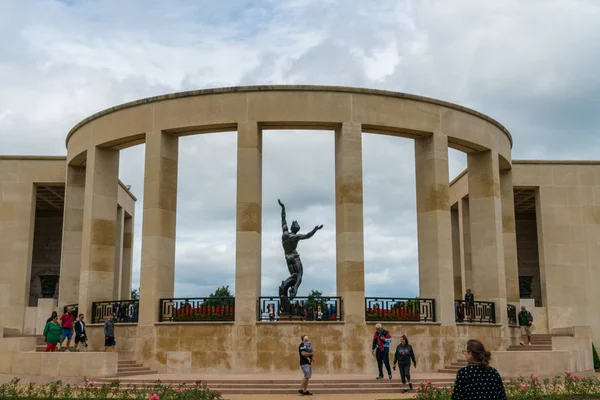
284,226
311,233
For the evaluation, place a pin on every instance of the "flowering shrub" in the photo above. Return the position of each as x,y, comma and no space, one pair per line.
90,390
568,387
394,314
203,313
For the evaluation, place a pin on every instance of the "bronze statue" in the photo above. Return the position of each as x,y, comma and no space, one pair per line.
290,240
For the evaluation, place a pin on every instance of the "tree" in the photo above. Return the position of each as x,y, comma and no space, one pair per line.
220,297
135,294
596,358
315,299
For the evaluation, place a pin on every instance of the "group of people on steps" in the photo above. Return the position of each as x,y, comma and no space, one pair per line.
404,354
477,380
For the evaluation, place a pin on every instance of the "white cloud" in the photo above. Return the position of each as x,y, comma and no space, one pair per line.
531,65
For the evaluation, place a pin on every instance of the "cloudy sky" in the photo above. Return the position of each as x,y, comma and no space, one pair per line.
531,64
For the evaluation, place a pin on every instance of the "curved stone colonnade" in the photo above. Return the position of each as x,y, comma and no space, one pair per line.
160,121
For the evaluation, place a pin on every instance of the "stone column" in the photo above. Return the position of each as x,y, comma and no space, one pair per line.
70,263
433,225
456,254
118,254
248,222
350,260
157,278
465,244
511,266
99,228
127,263
487,250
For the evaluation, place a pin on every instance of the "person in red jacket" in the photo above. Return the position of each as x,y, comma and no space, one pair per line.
382,340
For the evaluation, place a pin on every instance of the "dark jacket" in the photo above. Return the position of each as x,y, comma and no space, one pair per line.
525,318
80,329
404,354
475,382
469,298
109,328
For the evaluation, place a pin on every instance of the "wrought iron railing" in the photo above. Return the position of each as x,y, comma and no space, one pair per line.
121,310
197,309
300,309
399,309
511,311
476,311
74,311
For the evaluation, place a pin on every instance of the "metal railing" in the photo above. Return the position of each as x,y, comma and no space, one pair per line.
322,308
476,311
121,310
197,309
511,311
399,309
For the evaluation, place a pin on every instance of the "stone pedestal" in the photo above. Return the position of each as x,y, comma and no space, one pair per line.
44,311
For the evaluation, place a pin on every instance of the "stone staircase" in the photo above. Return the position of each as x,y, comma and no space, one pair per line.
538,343
131,368
453,367
289,386
541,342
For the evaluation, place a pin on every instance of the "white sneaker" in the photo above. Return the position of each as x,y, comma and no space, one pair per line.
58,347
529,344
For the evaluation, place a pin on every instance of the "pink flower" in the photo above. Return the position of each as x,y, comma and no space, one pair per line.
154,397
568,372
524,387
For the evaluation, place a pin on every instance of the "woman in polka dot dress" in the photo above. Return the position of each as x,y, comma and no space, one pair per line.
478,380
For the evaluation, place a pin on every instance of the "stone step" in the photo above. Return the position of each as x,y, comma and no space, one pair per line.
450,368
530,348
190,383
316,391
125,374
127,362
226,386
132,368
